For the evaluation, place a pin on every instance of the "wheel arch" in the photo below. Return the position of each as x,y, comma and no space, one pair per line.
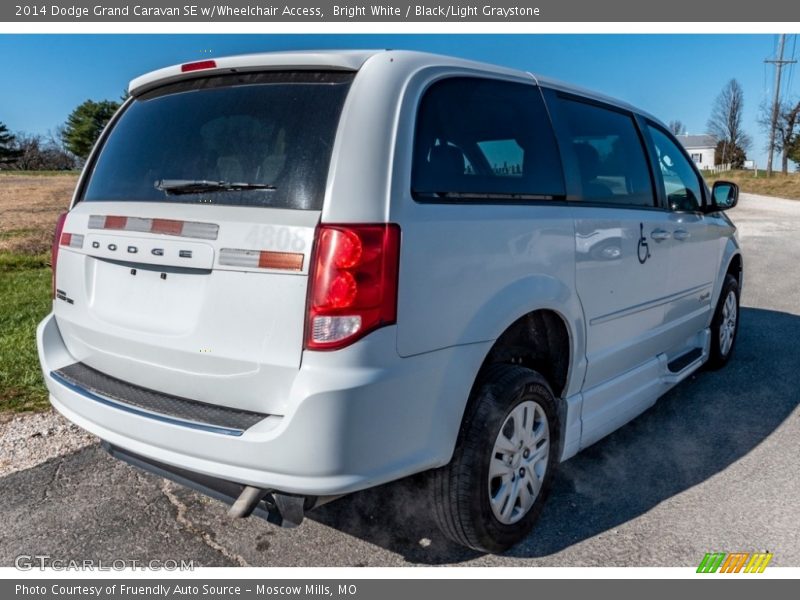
534,295
732,263
539,340
554,309
736,268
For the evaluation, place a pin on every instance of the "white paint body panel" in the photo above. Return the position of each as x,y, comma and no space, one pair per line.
391,404
224,335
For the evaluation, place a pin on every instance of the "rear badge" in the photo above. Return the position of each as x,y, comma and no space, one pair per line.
62,295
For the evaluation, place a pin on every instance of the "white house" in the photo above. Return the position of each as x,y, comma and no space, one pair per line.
701,148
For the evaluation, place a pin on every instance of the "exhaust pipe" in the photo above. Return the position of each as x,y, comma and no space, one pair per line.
246,503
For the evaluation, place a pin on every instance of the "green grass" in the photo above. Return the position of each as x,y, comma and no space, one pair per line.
16,261
24,301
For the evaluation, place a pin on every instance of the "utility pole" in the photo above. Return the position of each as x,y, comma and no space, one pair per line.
779,64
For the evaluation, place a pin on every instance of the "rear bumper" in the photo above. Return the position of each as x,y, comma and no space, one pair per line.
357,417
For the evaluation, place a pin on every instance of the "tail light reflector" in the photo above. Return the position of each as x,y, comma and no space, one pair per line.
261,259
54,249
353,285
71,240
204,231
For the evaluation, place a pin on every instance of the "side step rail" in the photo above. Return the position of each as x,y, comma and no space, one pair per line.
680,367
676,365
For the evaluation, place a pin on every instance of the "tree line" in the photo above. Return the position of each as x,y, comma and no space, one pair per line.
64,148
726,125
69,145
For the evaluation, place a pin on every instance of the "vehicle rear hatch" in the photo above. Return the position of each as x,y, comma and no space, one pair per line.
183,266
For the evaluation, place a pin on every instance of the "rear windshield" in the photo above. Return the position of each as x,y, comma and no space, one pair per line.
260,139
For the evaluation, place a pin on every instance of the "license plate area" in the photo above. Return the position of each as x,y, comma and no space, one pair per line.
147,298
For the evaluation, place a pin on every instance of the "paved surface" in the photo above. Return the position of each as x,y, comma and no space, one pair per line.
713,466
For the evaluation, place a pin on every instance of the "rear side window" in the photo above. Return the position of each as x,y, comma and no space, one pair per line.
261,139
484,139
609,155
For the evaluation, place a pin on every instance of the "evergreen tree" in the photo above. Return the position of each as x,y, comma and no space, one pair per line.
85,124
8,150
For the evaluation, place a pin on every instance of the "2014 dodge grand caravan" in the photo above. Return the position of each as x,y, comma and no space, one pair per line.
286,277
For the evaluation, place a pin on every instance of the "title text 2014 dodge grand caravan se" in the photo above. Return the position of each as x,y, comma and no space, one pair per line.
286,277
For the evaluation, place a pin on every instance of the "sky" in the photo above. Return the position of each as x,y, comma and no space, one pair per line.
44,77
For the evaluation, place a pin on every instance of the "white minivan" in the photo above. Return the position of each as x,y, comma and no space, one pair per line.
287,277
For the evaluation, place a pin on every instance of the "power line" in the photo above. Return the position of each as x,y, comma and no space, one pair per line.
779,63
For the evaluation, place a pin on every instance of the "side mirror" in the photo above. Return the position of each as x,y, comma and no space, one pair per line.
724,195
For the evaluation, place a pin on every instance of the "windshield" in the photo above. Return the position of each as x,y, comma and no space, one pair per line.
259,139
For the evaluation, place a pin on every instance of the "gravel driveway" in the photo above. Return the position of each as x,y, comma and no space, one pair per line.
713,466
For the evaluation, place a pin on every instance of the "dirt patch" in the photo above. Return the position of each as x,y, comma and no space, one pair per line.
29,207
28,440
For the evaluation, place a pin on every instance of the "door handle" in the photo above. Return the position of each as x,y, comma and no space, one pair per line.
681,235
660,235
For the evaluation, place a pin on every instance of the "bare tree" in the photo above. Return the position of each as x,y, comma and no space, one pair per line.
793,151
725,122
677,127
35,153
787,128
55,137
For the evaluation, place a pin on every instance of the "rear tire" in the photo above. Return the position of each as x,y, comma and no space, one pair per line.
725,324
493,490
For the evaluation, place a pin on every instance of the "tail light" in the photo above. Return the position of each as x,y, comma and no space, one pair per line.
62,238
54,251
353,287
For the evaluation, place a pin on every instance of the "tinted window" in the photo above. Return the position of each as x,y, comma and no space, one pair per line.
271,129
609,155
478,137
681,183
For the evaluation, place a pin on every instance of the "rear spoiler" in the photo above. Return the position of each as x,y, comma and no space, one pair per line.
271,61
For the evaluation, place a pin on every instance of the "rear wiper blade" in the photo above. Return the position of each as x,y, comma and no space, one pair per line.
198,186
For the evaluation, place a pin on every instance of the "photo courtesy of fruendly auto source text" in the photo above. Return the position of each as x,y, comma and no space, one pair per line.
403,299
